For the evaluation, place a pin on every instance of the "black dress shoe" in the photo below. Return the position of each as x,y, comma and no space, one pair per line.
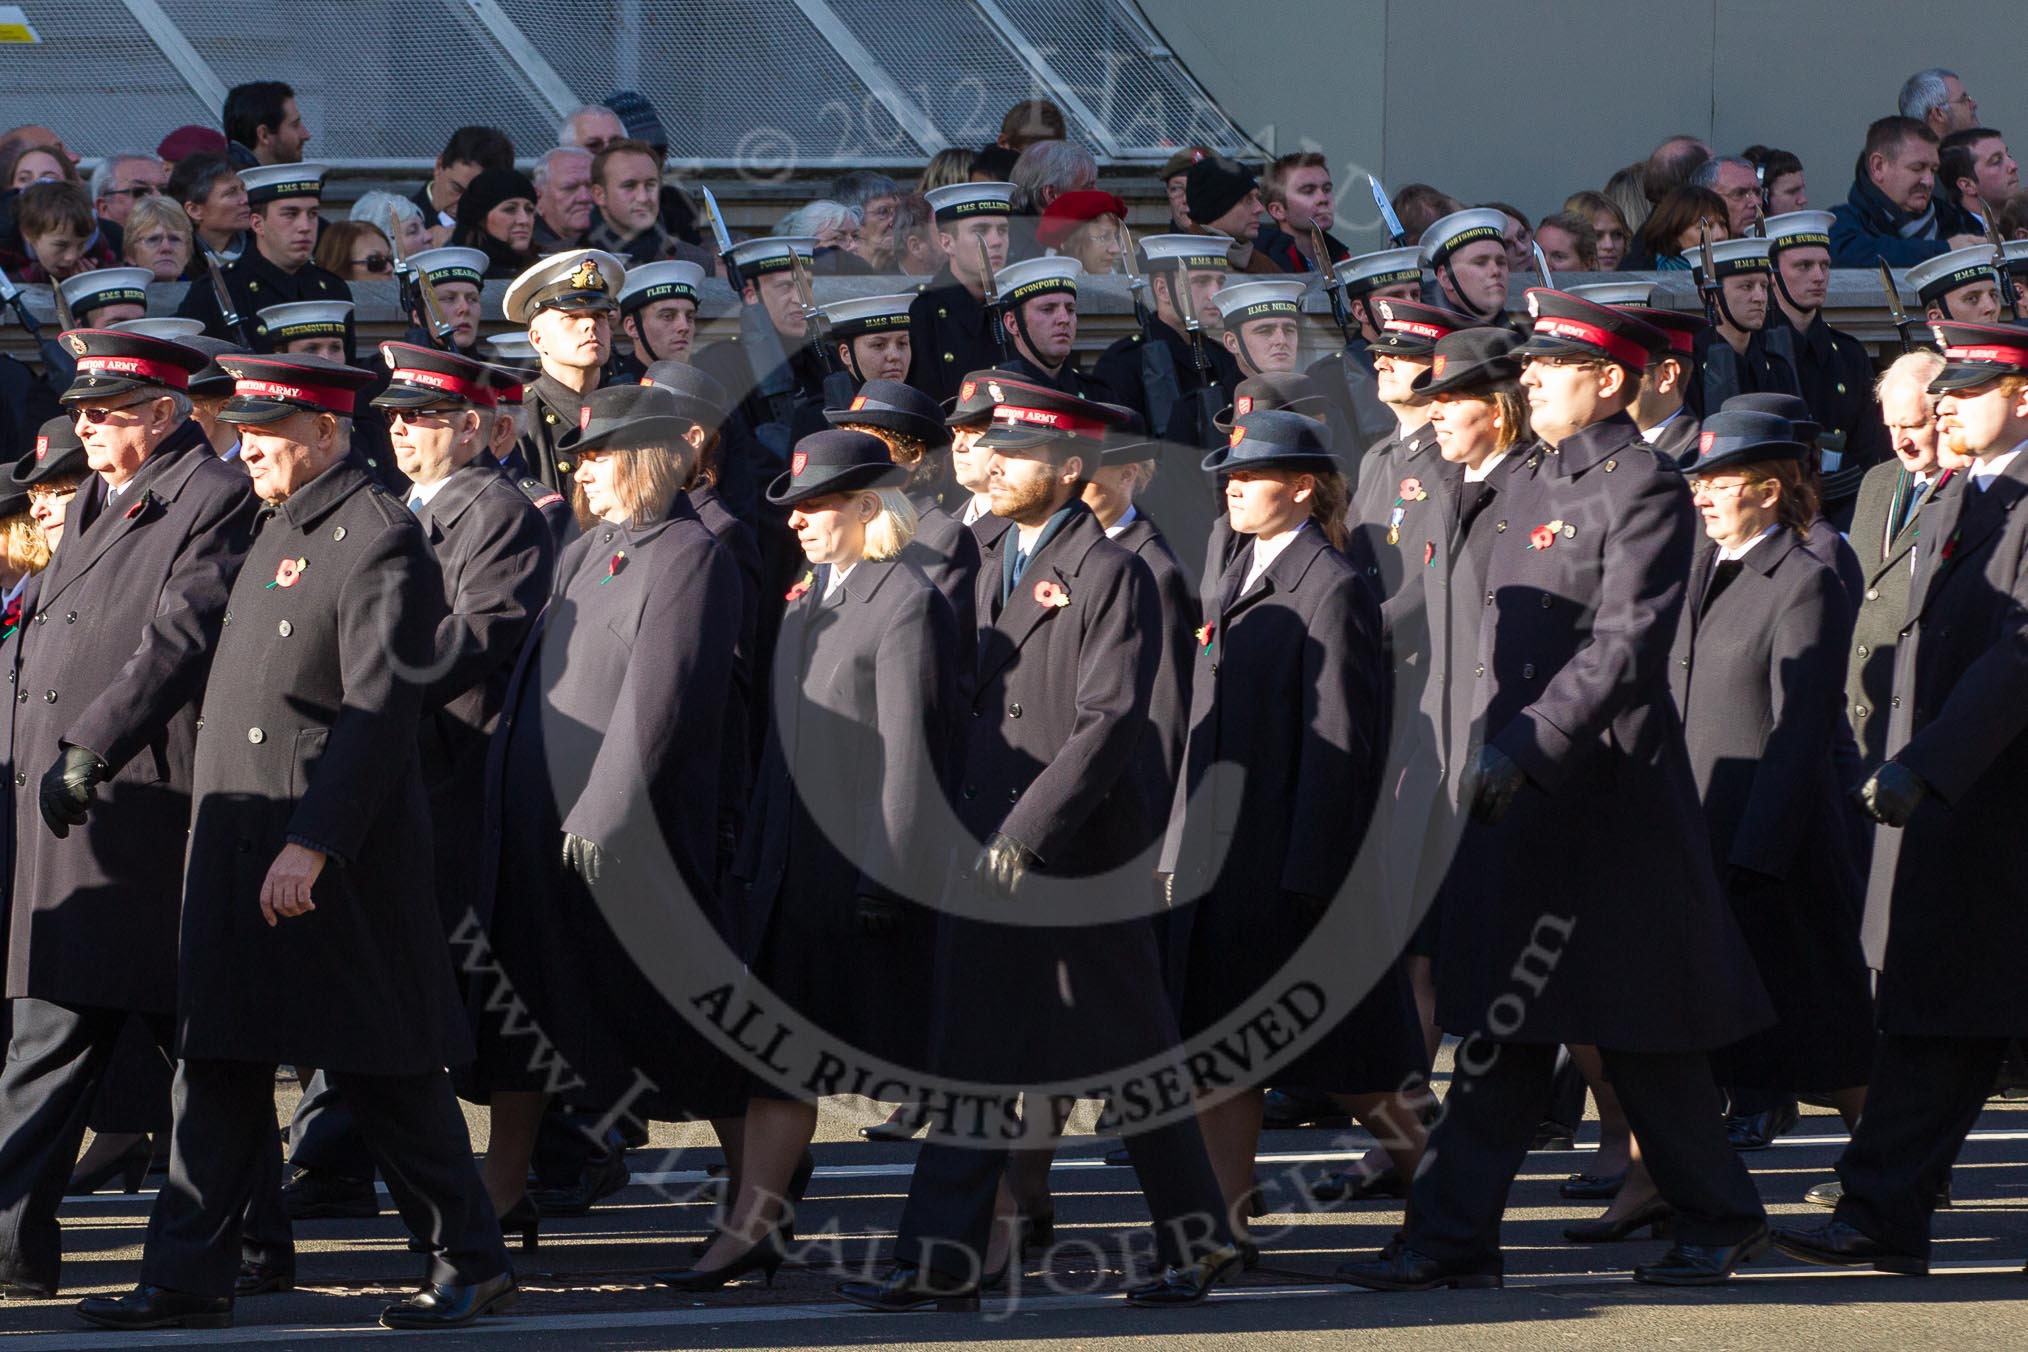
604,1175
442,1306
1703,1264
260,1279
1284,1108
1554,1136
1592,1187
524,1218
763,1258
1400,1268
1757,1131
1830,1192
1190,1283
902,1125
1350,1185
1656,1217
317,1196
1840,1244
155,1307
14,1289
907,1288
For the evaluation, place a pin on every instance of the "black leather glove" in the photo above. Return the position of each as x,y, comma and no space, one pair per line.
1741,881
1001,866
582,857
1305,904
1890,796
877,915
1491,784
67,788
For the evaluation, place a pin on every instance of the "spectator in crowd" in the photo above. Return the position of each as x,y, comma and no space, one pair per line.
471,151
1418,206
1671,235
591,128
157,237
59,234
263,124
563,198
1047,170
1569,243
1223,199
215,200
917,250
1029,121
1893,214
496,213
1625,190
2014,217
34,134
1734,178
1936,98
187,140
1781,179
950,165
1088,226
1173,177
626,186
1976,174
122,180
993,164
1610,232
1670,165
1517,234
386,211
37,164
355,251
1297,193
874,196
836,230
679,215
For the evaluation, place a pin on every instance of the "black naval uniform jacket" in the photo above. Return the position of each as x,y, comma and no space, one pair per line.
1678,437
254,284
1600,869
1058,710
310,736
1377,498
1347,381
126,618
549,412
950,334
1836,378
1887,561
1722,373
497,558
1944,924
1169,705
744,718
947,552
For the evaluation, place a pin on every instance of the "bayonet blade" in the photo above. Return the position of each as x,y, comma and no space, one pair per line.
1394,230
718,231
1542,265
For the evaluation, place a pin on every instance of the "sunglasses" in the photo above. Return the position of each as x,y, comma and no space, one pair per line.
97,416
375,262
416,415
138,190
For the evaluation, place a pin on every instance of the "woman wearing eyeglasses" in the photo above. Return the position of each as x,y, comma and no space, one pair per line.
356,251
158,237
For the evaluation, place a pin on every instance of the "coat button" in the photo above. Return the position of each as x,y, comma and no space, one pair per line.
285,629
1873,593
1547,601
21,697
19,779
49,697
1527,671
949,357
256,736
42,619
1489,598
1479,670
563,467
200,722
548,417
1683,662
1863,650
1013,711
1858,710
942,313
971,792
1013,795
228,617
1499,526
1895,700
338,532
606,538
70,618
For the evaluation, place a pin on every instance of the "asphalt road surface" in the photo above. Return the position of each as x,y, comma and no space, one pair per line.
590,1282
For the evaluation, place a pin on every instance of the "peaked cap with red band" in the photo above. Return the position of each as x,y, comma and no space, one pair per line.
1570,326
1977,353
1027,415
420,377
110,362
1408,328
268,388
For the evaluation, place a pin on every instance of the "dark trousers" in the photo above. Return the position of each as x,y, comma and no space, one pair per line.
224,1143
948,1219
1923,1097
324,1135
1500,1093
56,1061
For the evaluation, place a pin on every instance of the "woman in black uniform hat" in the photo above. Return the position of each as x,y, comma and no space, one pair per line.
835,861
1288,683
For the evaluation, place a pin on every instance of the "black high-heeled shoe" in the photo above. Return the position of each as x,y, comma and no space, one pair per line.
799,1183
130,1166
1038,1230
1655,1214
763,1257
524,1218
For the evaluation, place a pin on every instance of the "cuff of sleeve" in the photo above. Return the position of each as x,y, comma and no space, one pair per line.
325,850
1912,759
1539,747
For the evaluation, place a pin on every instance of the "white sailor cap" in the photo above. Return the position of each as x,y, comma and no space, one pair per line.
1448,234
2017,254
512,348
959,201
1614,293
452,264
869,314
272,182
1032,277
1363,273
107,286
654,282
305,319
580,279
1199,253
1244,301
1798,229
1732,257
1934,278
165,328
759,257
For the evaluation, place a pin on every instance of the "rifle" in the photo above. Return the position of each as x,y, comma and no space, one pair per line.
1159,386
1902,324
1708,288
767,363
418,293
58,363
838,386
1334,290
222,294
2009,297
994,310
1186,304
1394,230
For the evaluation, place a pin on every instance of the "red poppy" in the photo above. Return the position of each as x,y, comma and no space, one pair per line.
1428,552
1204,632
802,587
1412,490
1047,593
613,566
288,571
1541,538
1950,546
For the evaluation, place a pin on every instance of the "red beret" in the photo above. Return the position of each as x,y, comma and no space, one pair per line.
1073,209
190,140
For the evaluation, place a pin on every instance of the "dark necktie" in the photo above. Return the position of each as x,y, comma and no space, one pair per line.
1721,578
1913,500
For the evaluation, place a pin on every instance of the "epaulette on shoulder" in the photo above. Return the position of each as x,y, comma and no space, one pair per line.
539,493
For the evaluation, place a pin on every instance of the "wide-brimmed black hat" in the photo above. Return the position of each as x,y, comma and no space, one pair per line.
1274,439
269,388
1977,353
1291,390
1732,437
1472,360
1570,326
1786,406
625,418
835,461
57,452
895,407
699,397
1128,442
